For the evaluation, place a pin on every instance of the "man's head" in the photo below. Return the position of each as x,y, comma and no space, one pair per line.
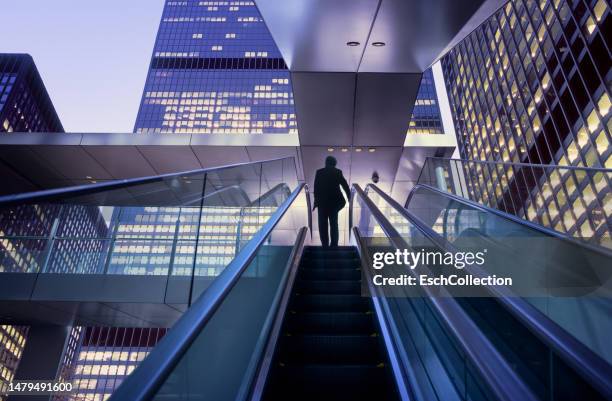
330,161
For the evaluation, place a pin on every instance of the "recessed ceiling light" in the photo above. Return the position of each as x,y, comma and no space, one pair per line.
352,43
330,149
378,44
358,150
371,150
345,149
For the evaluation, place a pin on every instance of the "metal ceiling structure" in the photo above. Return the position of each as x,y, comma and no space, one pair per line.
356,67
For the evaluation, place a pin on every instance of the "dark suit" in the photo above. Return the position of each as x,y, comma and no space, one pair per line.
330,201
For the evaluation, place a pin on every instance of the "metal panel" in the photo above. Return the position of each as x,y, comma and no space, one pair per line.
65,157
210,156
414,32
122,161
312,34
167,159
383,108
324,104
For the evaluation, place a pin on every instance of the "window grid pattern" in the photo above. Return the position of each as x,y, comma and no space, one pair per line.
532,85
216,69
12,342
105,357
426,117
25,105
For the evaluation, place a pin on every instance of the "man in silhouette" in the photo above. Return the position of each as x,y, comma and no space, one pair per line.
329,199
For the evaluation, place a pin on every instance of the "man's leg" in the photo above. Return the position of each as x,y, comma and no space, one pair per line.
333,228
323,228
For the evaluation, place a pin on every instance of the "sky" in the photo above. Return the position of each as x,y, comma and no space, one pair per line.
93,56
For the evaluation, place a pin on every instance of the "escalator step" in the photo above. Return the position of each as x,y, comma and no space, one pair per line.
328,287
330,303
324,263
337,350
329,274
331,382
331,323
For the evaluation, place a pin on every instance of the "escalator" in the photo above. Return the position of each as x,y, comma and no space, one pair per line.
285,320
549,349
330,347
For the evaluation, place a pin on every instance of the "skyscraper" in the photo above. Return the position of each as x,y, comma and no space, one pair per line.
426,117
532,85
216,69
25,105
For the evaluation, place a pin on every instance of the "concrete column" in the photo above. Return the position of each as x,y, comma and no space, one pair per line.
42,357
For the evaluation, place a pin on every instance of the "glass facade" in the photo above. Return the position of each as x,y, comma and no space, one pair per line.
12,342
25,105
532,85
104,357
216,69
426,117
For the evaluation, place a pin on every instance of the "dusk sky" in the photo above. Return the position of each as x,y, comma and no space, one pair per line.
93,55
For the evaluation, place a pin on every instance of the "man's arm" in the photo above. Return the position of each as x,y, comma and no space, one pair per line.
317,190
345,186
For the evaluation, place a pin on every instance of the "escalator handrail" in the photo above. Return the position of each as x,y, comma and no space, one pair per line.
592,367
153,371
86,189
405,380
543,166
541,229
492,367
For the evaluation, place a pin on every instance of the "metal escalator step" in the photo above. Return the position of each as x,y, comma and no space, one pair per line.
331,382
328,287
343,263
330,303
329,274
331,323
330,349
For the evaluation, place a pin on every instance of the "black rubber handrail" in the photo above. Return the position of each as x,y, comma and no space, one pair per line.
590,366
501,379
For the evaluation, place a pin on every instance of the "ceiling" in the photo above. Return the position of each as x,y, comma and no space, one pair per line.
35,161
361,96
312,35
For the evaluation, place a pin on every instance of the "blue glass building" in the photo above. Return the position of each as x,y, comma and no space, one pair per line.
426,117
216,69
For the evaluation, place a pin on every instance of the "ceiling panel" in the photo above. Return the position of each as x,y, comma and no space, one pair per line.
27,162
383,107
415,32
212,156
384,161
121,161
65,157
170,159
324,104
312,35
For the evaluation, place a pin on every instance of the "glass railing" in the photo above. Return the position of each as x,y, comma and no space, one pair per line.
569,283
543,346
214,350
187,227
445,355
575,201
